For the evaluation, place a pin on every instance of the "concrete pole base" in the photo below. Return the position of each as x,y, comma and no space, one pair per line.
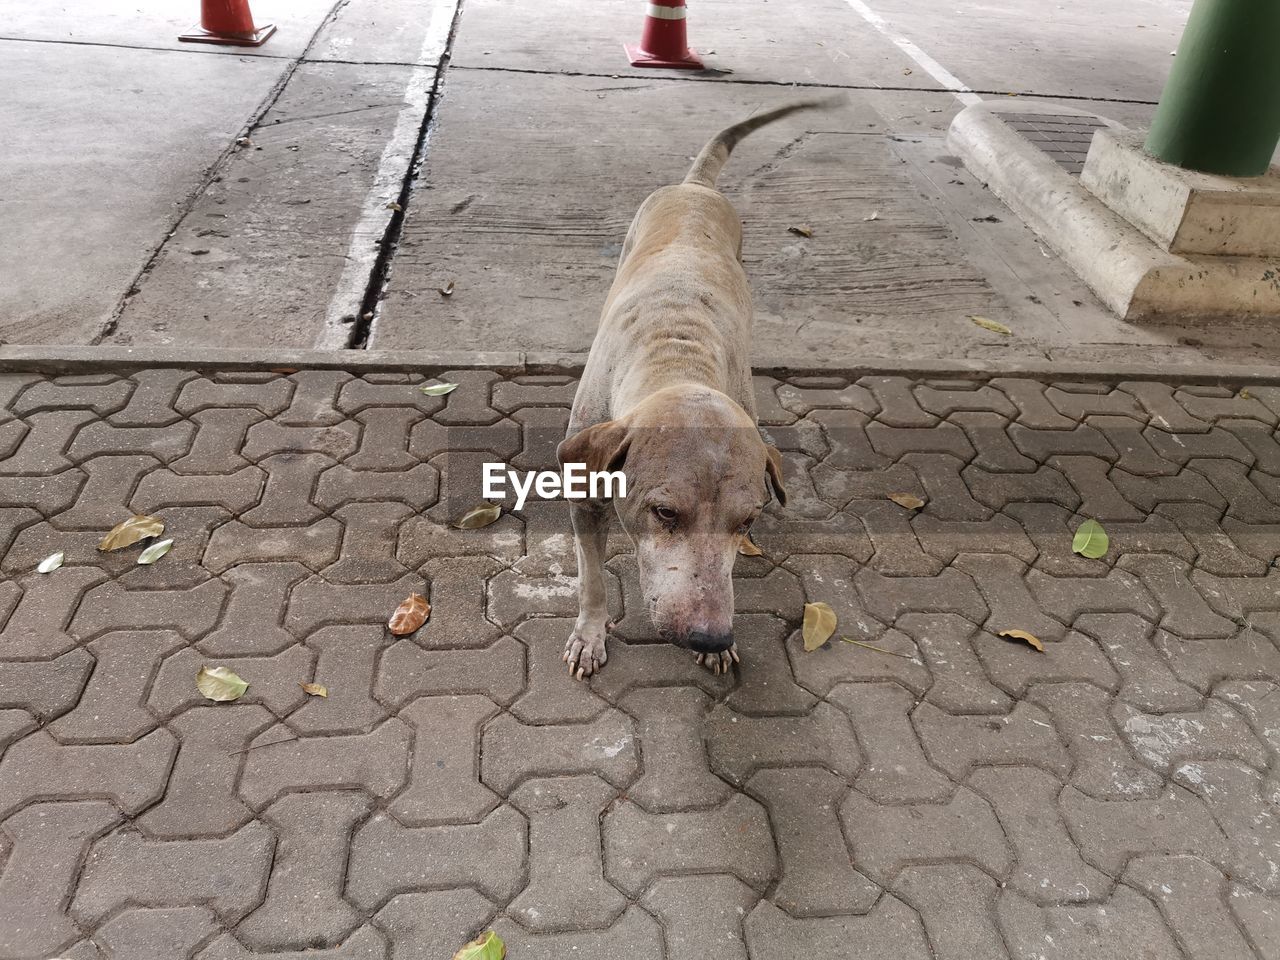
1206,266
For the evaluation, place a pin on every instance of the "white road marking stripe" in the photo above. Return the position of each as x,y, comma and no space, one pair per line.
362,253
666,13
929,65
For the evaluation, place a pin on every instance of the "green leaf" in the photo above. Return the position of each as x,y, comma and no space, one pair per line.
1090,540
51,562
819,625
438,389
487,946
220,684
154,552
992,325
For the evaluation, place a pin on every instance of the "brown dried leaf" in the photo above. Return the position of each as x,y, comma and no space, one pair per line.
481,516
1029,638
747,547
907,500
129,532
801,230
315,689
819,625
410,615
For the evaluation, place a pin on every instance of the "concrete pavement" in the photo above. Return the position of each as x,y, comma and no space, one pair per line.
948,793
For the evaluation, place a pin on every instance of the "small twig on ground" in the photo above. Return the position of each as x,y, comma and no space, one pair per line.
257,745
892,653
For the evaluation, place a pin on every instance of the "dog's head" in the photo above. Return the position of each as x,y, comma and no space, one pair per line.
698,474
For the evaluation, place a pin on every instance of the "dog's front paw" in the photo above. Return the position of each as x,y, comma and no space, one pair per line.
585,652
721,662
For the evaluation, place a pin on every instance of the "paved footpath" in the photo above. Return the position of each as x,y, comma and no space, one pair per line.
1113,797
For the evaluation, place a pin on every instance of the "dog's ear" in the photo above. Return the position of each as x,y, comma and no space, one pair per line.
773,467
600,447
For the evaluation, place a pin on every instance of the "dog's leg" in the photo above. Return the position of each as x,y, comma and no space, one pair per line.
585,651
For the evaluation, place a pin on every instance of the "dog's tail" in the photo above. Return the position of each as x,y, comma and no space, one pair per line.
708,164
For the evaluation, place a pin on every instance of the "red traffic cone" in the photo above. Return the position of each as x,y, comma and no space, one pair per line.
663,43
228,22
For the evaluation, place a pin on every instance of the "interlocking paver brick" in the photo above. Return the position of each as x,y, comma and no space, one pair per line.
677,775
156,934
1192,896
1047,865
956,902
375,762
1110,832
818,877
132,775
734,838
48,842
1243,803
634,936
891,929
567,889
388,858
305,510
304,906
1103,766
884,839
1125,925
228,873
702,915
444,774
512,751
431,924
112,708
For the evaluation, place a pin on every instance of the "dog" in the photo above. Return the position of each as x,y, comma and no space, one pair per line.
666,397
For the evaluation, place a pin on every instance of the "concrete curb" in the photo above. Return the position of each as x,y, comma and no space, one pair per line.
60,360
1135,278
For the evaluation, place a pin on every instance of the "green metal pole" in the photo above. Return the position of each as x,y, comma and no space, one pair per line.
1220,110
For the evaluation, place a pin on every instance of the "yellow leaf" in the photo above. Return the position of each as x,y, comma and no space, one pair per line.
1029,638
992,325
819,625
487,946
410,615
481,516
220,684
802,230
129,532
906,500
748,548
315,689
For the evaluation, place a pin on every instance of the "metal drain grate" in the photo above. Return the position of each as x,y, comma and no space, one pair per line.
1064,137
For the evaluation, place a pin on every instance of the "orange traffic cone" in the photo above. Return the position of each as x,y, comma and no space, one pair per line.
663,43
228,22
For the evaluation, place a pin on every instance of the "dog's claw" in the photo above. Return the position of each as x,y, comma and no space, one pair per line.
585,654
719,663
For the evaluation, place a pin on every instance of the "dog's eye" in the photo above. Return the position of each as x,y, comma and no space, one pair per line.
666,514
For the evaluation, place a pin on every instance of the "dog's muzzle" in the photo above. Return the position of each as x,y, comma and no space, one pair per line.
700,642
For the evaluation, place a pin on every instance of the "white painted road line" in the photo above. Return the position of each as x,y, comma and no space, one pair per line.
366,237
929,65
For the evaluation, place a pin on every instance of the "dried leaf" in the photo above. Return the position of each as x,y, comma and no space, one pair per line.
875,215
129,532
802,230
315,689
446,290
438,389
487,946
1244,395
410,615
392,205
992,325
481,516
1030,638
154,552
747,547
819,625
1090,540
907,500
219,683
51,562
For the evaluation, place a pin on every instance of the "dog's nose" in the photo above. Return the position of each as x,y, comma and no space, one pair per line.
701,642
